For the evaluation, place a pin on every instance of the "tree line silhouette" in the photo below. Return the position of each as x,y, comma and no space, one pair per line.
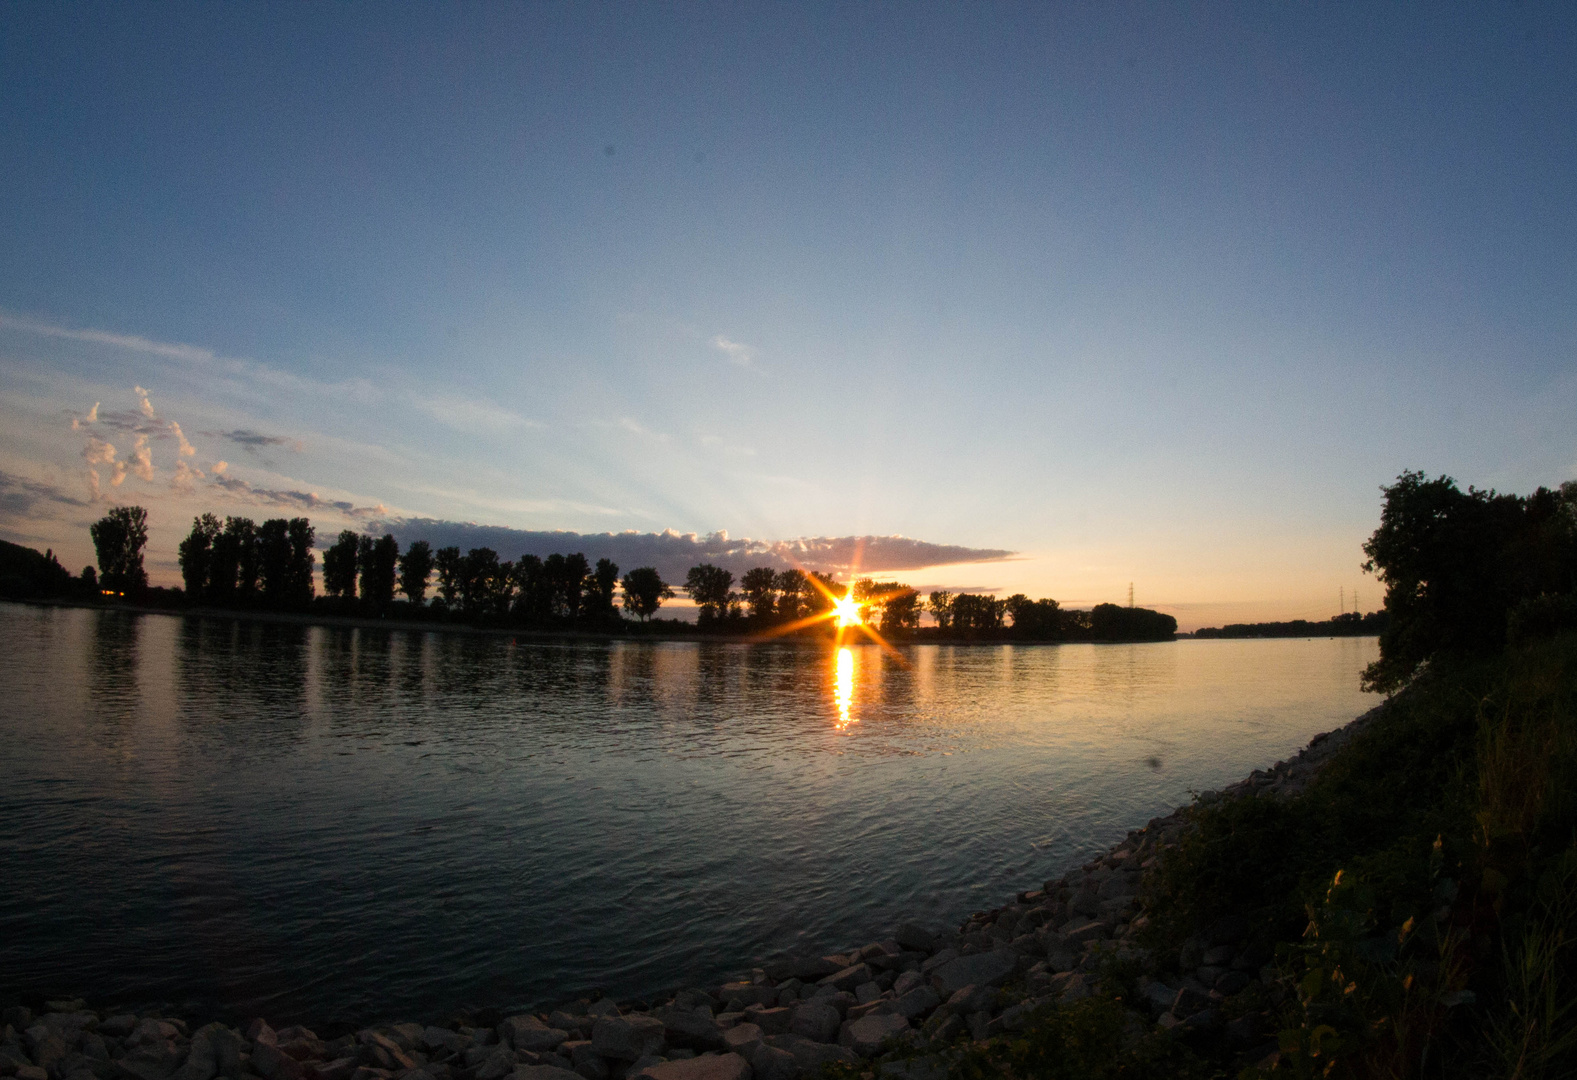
242,564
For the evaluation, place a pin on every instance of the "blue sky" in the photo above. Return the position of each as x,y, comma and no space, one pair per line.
1141,293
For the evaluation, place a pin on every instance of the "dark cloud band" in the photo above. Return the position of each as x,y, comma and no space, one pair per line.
673,553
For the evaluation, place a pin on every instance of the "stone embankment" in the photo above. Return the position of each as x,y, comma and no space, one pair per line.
782,1021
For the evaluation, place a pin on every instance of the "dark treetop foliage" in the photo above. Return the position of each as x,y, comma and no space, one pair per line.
416,566
644,592
119,537
243,564
1463,570
26,575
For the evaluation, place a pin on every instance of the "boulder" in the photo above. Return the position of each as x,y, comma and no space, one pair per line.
742,1038
586,1061
1075,936
272,1063
770,1063
711,1067
917,1002
691,1030
815,1021
907,982
771,1021
627,1038
982,969
526,1032
867,1035
848,978
744,994
544,1072
812,1055
912,936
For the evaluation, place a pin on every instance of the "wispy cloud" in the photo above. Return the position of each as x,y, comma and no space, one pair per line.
254,441
736,352
292,500
467,414
100,337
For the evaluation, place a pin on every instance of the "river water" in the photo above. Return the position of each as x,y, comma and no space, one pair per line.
245,818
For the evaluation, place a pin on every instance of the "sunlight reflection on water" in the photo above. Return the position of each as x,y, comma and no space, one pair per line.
843,687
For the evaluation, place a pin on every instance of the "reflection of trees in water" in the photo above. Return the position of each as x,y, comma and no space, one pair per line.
242,683
112,670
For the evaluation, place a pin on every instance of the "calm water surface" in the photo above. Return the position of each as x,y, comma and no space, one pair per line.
247,818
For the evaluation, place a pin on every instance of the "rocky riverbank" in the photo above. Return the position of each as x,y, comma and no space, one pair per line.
920,989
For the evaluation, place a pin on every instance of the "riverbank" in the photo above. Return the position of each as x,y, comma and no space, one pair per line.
628,632
922,989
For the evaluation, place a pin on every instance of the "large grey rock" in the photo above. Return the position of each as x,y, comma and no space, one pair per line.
917,1002
627,1038
771,1021
913,936
586,1061
907,982
867,1035
31,1072
770,1063
848,978
982,969
688,1029
202,1059
816,1021
943,957
1076,936
48,1049
228,1046
1119,886
710,1067
272,1063
526,1032
812,1055
543,1072
742,1038
745,994
498,1064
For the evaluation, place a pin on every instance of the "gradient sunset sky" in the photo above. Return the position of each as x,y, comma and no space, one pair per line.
1149,293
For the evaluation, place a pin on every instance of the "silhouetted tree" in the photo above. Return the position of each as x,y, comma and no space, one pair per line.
941,608
341,564
1035,620
450,566
759,590
644,592
90,578
975,614
1461,567
377,560
533,591
194,555
242,534
900,611
487,586
273,561
791,587
821,594
298,583
709,586
597,606
1108,622
416,566
118,538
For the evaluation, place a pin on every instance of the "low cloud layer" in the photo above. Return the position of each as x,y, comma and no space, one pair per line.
674,553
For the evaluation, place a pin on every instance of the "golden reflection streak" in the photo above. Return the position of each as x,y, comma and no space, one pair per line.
843,687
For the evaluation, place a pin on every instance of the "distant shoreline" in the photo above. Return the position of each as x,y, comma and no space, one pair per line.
362,622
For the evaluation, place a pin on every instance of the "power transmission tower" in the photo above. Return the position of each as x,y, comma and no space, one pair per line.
1130,594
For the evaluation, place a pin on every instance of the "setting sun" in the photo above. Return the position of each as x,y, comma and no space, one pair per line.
846,611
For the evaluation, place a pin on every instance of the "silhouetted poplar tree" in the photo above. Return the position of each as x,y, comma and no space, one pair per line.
118,538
